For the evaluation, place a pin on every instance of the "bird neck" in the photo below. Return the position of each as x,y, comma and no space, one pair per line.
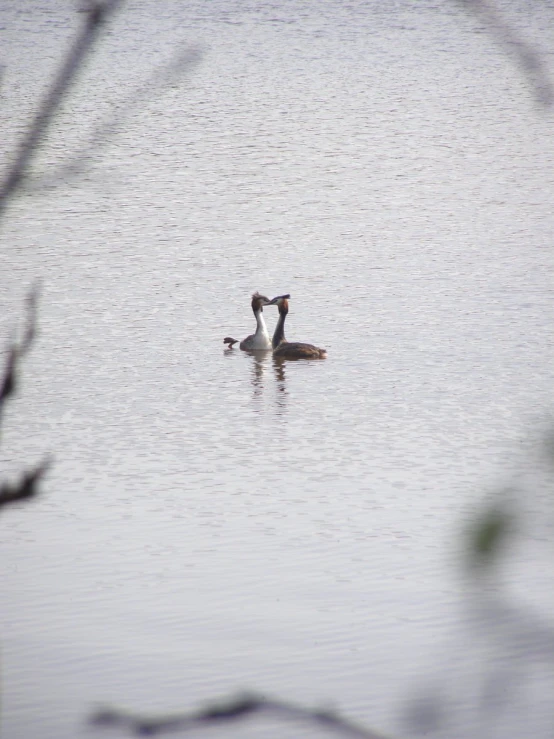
279,335
261,328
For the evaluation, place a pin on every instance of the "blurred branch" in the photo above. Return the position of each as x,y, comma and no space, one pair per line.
131,104
26,487
526,56
237,707
94,18
8,382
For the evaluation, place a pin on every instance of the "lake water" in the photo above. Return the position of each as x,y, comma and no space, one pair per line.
215,521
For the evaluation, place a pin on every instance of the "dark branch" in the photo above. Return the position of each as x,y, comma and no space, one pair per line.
7,387
16,351
27,486
238,707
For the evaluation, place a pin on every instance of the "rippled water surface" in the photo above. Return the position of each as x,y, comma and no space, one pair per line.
214,520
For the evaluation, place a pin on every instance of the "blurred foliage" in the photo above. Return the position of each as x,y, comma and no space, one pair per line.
488,535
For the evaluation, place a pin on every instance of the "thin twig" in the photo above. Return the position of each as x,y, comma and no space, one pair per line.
237,707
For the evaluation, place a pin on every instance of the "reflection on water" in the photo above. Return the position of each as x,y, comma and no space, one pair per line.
260,366
279,366
260,361
262,385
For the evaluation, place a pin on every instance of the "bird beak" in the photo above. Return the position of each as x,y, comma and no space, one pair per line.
279,297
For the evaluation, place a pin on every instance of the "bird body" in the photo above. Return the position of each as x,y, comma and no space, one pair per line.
283,349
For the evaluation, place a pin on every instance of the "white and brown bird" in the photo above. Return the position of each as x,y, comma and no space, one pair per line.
258,341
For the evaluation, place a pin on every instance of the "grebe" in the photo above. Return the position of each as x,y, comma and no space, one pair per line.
259,341
284,349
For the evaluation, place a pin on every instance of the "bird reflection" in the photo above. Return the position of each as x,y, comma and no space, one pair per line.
280,380
259,365
260,361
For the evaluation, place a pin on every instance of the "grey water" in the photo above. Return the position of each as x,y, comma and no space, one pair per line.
215,521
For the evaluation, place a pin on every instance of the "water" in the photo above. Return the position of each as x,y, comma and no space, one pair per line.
215,521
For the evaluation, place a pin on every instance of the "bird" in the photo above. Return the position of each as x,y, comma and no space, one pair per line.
283,349
258,341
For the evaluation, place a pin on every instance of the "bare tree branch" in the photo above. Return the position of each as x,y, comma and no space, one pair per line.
237,707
